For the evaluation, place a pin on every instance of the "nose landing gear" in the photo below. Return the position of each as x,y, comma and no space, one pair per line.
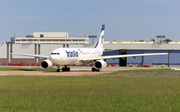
58,70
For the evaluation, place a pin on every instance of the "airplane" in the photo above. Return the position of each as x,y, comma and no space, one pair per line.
80,56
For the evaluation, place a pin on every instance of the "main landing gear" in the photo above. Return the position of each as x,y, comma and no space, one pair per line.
94,69
65,68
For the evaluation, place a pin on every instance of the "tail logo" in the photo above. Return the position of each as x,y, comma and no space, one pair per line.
102,39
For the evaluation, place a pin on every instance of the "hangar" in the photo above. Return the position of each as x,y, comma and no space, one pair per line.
170,60
44,42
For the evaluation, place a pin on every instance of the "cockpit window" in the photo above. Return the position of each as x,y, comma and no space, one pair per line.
55,53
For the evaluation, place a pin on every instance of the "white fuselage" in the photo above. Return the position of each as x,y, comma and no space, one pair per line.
71,56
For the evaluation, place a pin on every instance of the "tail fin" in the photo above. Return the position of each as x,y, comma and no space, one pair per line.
101,38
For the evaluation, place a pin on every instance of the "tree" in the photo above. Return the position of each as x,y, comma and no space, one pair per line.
167,40
152,40
141,40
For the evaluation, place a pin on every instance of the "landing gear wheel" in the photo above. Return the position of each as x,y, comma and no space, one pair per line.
58,70
97,70
94,69
65,69
68,69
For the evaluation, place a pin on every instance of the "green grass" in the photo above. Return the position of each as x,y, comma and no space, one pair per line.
145,72
152,70
89,94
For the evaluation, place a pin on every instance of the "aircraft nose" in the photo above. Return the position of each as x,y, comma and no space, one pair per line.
53,57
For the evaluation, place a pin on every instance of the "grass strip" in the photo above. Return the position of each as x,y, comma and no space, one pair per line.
97,93
145,72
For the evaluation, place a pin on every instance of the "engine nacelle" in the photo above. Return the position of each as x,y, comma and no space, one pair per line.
100,64
46,64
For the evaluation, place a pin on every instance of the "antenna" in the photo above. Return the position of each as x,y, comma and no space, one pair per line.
14,35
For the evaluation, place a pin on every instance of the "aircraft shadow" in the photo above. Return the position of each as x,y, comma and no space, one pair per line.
67,71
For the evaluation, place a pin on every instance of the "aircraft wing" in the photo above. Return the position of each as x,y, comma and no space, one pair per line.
121,56
109,50
31,55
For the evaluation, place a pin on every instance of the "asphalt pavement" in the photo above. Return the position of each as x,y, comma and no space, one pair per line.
75,71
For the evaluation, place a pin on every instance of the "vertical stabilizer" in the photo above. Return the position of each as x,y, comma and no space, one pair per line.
101,38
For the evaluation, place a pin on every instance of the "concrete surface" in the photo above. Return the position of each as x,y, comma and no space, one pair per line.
75,71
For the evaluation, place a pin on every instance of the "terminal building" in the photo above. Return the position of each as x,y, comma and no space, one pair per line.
45,42
49,38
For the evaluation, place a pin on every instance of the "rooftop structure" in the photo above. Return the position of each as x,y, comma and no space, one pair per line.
141,45
49,38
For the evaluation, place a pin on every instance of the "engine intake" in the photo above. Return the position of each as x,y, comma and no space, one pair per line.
46,64
99,64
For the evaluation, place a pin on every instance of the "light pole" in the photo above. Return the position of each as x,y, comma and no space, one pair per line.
160,36
92,36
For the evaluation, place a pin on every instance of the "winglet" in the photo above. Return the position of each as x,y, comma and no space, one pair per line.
11,51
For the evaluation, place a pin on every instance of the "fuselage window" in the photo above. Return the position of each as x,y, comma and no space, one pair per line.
55,53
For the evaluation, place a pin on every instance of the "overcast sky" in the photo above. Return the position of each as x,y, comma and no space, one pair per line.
125,20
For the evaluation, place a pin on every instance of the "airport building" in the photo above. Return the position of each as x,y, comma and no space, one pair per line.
171,60
44,43
49,38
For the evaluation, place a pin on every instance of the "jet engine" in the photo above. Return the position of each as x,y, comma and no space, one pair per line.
100,64
46,64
